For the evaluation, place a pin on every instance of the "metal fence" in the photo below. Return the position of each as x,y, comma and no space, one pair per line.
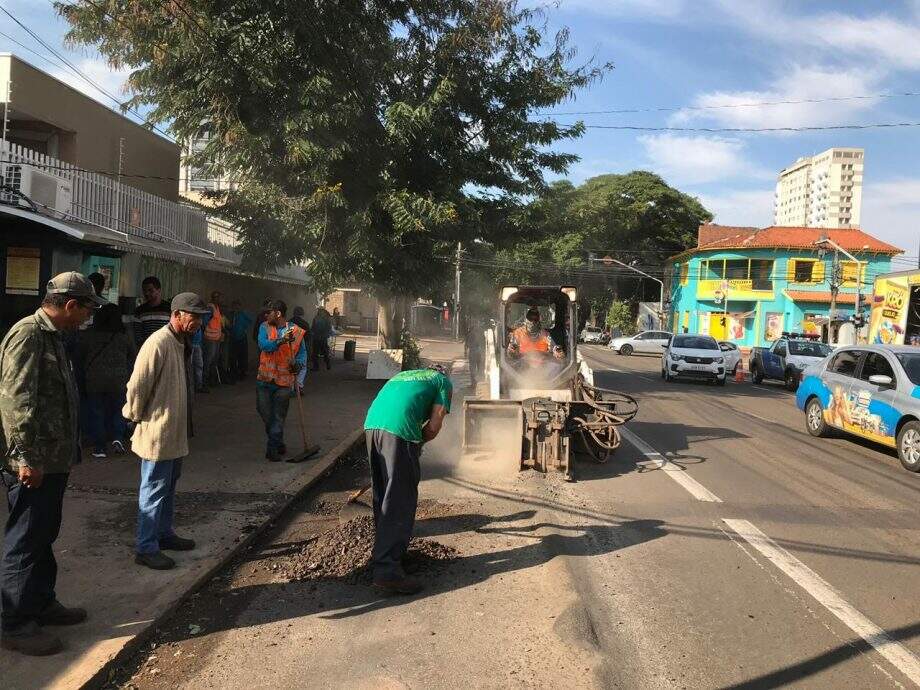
103,201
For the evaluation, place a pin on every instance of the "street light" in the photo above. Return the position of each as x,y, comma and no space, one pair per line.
607,259
827,241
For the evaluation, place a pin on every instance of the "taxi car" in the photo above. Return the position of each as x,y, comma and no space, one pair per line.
871,391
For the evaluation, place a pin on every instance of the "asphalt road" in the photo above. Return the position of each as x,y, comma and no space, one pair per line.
721,547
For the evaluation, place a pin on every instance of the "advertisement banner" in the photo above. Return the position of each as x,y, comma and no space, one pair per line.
888,320
773,326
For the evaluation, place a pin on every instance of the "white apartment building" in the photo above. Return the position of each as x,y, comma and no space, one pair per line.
193,181
821,191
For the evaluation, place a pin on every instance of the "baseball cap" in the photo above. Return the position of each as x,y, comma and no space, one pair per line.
189,302
76,285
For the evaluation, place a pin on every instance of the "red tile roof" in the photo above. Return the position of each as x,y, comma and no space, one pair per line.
779,237
823,297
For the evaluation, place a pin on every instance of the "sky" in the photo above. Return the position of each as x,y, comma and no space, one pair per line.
686,56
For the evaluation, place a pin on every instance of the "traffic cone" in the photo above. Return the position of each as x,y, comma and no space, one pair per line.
739,372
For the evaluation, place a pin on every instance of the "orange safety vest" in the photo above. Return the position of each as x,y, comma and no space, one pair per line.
214,328
275,367
527,344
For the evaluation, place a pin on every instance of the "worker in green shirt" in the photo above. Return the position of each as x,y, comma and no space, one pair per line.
408,411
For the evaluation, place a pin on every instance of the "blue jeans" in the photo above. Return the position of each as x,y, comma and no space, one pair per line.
272,403
106,422
156,503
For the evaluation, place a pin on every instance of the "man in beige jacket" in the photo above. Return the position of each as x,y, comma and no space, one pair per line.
159,402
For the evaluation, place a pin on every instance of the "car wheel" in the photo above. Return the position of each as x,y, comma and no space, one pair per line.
909,446
721,381
735,370
756,375
792,381
814,419
626,350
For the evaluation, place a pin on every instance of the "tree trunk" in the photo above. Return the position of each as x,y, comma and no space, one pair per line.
390,317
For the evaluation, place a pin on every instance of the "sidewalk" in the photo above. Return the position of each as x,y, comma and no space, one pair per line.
227,490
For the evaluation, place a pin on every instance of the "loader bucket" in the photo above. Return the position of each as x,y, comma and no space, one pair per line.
494,427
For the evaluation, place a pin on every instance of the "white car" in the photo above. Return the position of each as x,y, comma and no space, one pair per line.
593,334
693,357
646,342
732,356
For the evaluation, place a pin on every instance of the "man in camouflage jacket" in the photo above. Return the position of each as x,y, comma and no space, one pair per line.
39,441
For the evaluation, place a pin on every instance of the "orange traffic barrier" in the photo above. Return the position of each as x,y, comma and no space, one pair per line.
739,372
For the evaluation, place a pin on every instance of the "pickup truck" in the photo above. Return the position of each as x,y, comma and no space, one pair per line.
786,359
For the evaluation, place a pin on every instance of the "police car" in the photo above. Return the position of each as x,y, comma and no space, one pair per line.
787,358
871,391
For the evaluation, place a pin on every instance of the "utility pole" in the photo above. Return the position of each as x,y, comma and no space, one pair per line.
457,295
835,287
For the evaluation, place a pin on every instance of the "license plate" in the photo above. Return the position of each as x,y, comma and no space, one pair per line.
698,367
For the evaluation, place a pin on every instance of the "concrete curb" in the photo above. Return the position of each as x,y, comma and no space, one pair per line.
315,471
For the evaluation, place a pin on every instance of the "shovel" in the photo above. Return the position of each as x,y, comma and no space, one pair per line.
308,450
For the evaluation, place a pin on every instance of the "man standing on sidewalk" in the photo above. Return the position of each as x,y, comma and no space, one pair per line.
213,337
159,402
283,354
39,442
408,411
153,314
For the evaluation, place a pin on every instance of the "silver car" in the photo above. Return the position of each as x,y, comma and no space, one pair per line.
871,391
645,342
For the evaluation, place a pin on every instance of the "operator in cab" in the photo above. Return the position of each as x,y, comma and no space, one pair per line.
531,341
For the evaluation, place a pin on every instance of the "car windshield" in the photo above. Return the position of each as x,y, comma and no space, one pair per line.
911,364
808,349
695,342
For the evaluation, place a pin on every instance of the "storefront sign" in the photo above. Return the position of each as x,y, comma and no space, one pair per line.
888,320
23,268
773,326
109,267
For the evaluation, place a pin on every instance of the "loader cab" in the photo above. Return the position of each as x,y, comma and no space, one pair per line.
538,370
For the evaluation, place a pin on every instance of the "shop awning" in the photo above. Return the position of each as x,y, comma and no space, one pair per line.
160,246
820,297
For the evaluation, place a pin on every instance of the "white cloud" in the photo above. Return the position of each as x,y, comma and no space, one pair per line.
881,38
891,212
646,9
687,160
97,70
741,207
797,84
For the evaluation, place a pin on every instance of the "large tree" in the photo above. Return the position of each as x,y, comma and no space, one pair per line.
367,136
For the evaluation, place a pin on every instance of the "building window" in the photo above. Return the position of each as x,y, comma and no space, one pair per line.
806,271
736,269
761,274
713,269
850,273
684,273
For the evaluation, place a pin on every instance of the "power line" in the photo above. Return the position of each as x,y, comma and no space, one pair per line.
34,52
741,130
671,109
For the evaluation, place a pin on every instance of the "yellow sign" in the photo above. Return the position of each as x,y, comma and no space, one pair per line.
888,320
23,268
737,290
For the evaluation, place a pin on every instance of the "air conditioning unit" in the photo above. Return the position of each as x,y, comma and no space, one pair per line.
52,194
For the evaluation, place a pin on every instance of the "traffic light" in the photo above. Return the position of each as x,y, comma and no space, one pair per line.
859,320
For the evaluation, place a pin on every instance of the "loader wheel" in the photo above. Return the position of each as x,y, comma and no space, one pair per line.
626,350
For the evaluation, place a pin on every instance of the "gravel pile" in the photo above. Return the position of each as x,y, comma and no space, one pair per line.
343,554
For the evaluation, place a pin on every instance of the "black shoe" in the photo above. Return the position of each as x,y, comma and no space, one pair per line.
31,641
155,561
273,456
405,585
58,614
176,543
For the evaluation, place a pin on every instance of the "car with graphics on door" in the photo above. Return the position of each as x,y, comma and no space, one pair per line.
787,358
646,342
870,391
693,357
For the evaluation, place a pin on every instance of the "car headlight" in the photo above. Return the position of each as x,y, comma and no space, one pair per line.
720,360
676,358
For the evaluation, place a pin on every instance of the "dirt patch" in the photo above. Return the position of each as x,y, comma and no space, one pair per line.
343,554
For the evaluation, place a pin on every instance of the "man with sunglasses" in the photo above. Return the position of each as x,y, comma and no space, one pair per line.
39,442
532,343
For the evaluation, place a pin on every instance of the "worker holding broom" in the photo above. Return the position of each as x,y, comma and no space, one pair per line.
283,354
407,412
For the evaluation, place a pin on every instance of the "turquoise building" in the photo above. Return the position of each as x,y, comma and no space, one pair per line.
748,285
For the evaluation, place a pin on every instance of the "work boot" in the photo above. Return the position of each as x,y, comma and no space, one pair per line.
273,455
31,640
155,561
58,614
176,543
404,585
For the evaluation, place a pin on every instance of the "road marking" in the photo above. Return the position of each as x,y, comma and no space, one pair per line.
678,474
806,578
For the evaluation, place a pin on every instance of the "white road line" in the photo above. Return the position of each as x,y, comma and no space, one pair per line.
678,474
806,578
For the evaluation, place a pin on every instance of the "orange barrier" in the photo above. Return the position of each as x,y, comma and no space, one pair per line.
739,372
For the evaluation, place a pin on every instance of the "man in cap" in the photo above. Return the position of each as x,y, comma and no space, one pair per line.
408,411
159,402
39,442
531,342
